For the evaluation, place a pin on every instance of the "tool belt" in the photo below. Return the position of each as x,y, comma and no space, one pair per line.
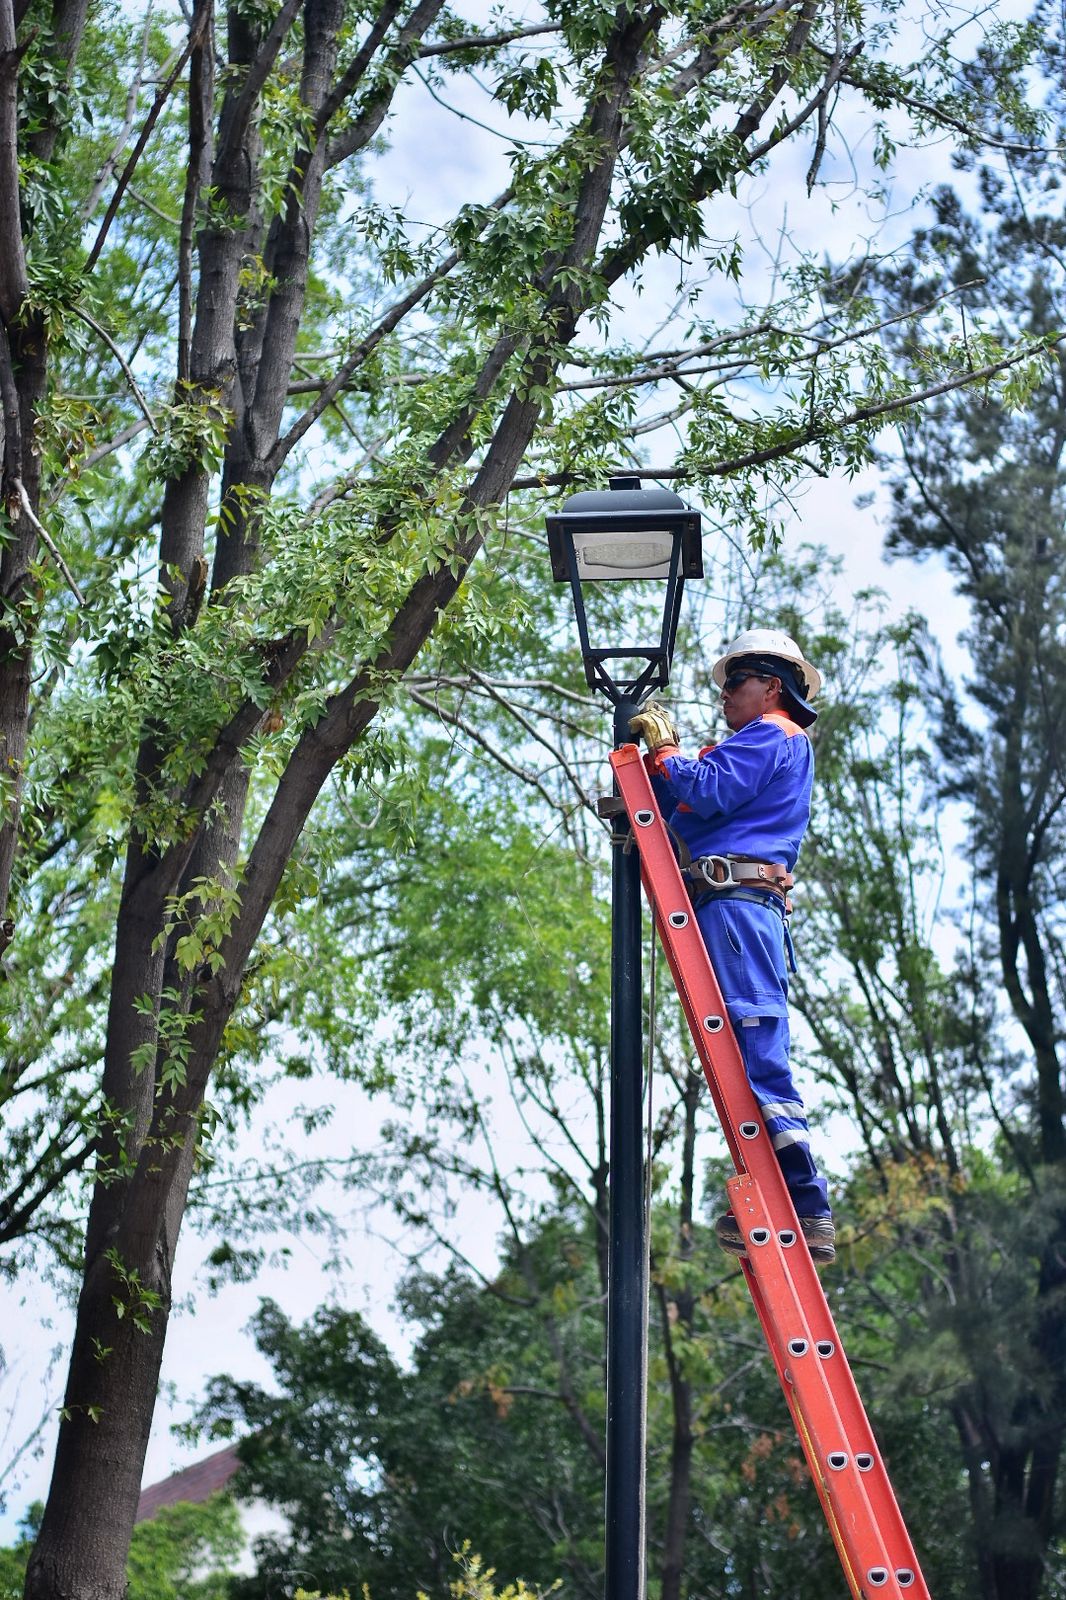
737,872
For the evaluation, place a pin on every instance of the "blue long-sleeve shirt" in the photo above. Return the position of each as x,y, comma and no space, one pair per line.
748,796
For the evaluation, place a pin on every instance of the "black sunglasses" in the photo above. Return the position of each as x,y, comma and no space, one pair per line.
735,679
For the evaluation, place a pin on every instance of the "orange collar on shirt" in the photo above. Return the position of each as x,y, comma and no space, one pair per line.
786,724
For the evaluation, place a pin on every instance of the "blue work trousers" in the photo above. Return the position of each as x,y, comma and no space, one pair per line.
745,938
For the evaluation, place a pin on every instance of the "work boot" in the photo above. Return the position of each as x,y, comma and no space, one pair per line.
819,1233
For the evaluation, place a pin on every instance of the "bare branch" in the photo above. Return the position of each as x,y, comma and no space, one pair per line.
530,685
747,20
46,539
534,733
100,453
483,41
150,205
454,720
663,419
88,205
101,333
814,105
944,119
15,1223
342,485
195,34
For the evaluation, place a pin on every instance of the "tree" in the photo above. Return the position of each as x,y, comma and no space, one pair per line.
983,491
952,1070
166,736
311,1450
183,1553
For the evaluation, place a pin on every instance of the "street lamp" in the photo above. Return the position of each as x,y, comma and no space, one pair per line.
623,534
618,535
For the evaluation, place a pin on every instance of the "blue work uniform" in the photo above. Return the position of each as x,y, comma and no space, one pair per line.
751,796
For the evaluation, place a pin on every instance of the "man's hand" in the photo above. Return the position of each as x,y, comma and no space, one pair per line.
659,734
655,726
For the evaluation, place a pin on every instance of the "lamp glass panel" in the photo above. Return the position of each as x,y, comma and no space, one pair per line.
625,616
623,555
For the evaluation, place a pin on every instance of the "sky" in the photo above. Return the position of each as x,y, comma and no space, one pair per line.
436,162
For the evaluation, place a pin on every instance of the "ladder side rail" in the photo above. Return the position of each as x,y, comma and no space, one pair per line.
844,1422
838,1413
848,1406
848,1467
807,1444
725,1109
885,1539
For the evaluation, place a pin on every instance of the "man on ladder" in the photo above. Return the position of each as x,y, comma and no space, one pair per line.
738,813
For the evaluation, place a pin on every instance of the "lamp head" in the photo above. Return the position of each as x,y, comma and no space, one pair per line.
622,534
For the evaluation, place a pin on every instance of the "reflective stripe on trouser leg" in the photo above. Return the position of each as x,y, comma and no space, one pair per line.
764,1044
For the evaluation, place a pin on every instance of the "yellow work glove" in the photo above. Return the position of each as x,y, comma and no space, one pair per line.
655,726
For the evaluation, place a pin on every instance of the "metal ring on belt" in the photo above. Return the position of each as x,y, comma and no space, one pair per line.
723,873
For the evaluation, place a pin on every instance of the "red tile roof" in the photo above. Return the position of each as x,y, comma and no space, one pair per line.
196,1483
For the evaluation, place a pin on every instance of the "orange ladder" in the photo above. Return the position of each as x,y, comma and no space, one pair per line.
842,1455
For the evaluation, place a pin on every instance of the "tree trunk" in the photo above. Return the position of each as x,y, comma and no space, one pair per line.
83,1545
24,360
84,1539
23,383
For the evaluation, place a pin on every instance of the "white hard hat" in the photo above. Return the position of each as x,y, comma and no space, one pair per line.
767,642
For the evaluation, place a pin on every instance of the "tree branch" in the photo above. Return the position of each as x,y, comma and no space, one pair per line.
944,119
195,34
372,114
392,318
14,283
454,720
201,95
802,436
256,73
485,41
100,453
46,539
15,1222
101,333
88,205
357,68
710,178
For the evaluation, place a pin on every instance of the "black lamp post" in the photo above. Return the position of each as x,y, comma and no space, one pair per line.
617,535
